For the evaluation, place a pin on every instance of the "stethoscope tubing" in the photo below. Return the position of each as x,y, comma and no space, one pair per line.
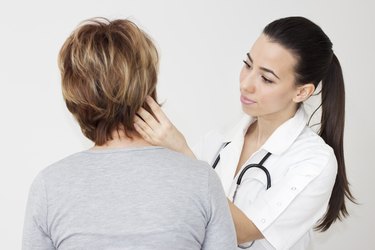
239,180
218,156
242,173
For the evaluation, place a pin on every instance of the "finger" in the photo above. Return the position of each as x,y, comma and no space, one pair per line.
144,130
156,109
141,132
144,126
148,118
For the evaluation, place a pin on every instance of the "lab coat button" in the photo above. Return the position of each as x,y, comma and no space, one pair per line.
263,220
278,204
294,188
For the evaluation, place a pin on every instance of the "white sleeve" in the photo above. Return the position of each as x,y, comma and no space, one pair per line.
35,230
220,231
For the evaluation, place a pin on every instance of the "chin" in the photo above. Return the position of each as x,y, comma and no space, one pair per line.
250,112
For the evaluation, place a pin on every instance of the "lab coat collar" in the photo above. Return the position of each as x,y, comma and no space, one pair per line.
282,138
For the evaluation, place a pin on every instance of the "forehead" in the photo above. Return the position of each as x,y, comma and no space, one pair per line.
273,56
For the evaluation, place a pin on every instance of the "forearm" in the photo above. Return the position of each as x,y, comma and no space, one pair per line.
245,229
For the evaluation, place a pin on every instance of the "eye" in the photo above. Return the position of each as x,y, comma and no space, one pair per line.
246,64
266,80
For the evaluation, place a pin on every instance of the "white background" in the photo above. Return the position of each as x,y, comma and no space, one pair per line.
202,44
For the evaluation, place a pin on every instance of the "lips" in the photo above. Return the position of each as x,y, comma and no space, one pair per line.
246,100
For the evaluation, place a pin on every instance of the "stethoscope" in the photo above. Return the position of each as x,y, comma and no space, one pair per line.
259,165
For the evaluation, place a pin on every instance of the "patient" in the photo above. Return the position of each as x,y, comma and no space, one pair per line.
122,193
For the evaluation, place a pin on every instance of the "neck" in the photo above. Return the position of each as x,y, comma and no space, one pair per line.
121,140
263,128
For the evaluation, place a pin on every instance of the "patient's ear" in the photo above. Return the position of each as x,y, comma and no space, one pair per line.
304,92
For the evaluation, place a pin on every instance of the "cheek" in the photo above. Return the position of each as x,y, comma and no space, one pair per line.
276,97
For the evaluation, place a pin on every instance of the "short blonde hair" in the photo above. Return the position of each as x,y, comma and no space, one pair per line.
107,70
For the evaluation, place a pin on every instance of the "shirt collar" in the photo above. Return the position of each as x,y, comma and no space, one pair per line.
281,139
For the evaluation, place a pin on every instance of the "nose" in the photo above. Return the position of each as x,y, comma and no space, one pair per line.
247,81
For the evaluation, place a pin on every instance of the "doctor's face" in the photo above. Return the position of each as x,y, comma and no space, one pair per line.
267,81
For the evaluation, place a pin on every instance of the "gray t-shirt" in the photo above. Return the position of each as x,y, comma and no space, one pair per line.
139,198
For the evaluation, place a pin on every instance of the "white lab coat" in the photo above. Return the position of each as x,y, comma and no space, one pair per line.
303,170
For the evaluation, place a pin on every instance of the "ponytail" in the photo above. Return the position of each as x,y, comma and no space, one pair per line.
332,131
317,63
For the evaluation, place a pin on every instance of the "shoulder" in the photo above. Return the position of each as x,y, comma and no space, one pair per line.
310,153
310,142
189,169
183,163
64,165
50,176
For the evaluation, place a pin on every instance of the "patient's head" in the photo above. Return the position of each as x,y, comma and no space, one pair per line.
107,70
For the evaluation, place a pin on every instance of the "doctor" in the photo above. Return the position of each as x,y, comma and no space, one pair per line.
281,178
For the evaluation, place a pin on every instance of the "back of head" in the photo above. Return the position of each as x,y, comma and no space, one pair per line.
107,70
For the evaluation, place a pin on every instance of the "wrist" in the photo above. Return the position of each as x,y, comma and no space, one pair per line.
187,151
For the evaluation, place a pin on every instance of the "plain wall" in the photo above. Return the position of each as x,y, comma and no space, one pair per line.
202,44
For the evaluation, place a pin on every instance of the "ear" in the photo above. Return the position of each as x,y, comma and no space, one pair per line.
304,92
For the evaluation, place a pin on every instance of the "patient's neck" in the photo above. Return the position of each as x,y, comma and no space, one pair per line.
121,140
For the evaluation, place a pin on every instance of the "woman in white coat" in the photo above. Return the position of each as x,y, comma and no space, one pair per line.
299,182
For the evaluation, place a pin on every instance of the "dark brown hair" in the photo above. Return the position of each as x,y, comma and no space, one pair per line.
317,63
107,70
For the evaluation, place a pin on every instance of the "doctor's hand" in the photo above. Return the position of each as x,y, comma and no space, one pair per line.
159,131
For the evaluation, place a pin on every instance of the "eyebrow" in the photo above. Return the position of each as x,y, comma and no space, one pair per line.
262,68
